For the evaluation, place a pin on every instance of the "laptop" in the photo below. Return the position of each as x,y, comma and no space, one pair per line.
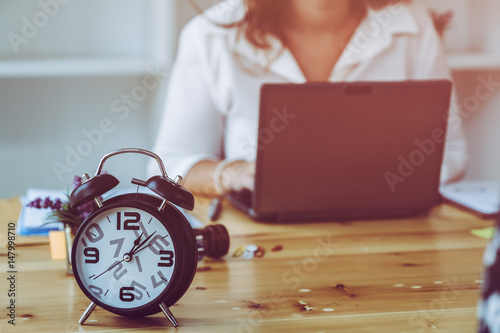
337,151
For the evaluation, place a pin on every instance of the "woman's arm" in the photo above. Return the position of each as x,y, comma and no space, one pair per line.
432,64
199,179
191,128
235,176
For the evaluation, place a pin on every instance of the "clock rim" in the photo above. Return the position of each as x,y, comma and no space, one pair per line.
171,223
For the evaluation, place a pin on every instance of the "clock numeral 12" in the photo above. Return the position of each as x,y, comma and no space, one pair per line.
142,229
128,224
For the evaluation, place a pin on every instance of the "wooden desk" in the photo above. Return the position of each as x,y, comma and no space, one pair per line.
415,275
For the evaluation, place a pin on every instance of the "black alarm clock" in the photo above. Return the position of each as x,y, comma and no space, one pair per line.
136,254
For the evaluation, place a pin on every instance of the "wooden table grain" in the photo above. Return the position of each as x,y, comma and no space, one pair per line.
407,275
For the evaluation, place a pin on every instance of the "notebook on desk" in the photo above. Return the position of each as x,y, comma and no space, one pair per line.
336,151
481,197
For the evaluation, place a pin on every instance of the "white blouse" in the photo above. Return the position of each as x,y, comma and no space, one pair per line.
212,104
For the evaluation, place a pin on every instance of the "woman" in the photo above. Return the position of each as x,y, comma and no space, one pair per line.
209,130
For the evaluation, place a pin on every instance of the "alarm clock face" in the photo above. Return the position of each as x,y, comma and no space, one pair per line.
125,258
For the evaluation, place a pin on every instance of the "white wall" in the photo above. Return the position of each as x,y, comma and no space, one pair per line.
475,32
76,59
46,124
481,122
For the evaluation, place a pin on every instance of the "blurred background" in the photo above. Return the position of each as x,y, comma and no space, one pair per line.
79,78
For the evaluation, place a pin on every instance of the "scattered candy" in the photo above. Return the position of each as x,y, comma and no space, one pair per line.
259,253
249,251
239,251
305,307
277,248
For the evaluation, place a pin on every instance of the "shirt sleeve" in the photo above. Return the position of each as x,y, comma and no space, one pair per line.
191,127
432,64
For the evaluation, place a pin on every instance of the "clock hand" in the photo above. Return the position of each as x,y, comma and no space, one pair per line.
147,245
129,255
142,243
136,243
110,268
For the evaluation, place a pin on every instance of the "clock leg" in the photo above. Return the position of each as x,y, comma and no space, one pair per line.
168,314
87,313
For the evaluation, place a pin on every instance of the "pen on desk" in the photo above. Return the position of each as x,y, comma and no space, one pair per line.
215,209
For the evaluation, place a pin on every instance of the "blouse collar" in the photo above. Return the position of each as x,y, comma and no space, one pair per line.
375,34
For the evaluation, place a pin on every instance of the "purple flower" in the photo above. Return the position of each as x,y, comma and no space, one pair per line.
77,181
85,209
40,203
47,203
61,210
83,215
37,203
57,205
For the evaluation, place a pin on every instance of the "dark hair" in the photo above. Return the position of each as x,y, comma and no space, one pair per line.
263,18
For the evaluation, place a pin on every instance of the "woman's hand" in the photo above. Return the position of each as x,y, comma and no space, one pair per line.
238,176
